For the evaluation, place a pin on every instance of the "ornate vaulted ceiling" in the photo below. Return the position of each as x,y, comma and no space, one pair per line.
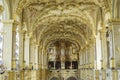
72,20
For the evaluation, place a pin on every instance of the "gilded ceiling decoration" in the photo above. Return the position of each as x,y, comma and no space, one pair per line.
71,20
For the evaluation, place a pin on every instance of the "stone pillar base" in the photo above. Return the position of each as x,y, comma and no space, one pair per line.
114,75
96,74
12,75
112,63
21,75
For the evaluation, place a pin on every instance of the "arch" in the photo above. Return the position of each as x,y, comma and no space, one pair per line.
115,8
74,28
56,37
43,16
71,78
61,33
50,19
6,12
54,78
118,8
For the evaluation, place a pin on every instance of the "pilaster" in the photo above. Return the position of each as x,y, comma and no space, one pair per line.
40,57
21,49
36,56
14,46
32,55
115,26
93,56
8,43
27,51
104,48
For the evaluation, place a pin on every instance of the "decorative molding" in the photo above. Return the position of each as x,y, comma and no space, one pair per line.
116,20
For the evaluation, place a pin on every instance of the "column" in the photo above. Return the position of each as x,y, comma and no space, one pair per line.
21,49
109,46
40,62
7,43
93,53
86,58
45,60
62,55
32,55
104,48
43,65
14,46
115,25
98,53
90,55
84,53
40,57
36,56
26,50
80,62
55,52
82,59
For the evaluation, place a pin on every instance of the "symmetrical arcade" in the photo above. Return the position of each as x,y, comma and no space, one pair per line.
59,40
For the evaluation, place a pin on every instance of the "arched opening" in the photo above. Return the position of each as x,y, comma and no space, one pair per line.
54,78
6,11
71,78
